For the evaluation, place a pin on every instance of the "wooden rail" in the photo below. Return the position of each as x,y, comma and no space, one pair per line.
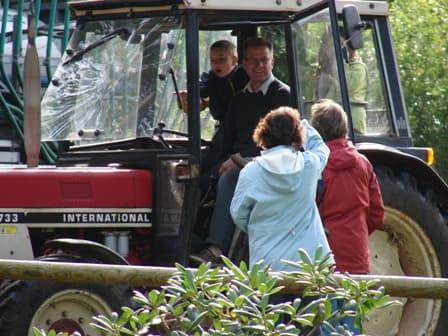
398,286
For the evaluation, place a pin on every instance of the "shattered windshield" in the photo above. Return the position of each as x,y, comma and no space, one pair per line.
116,81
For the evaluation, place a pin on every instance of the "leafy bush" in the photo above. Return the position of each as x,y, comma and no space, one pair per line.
239,301
421,52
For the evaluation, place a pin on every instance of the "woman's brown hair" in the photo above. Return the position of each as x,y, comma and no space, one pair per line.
281,126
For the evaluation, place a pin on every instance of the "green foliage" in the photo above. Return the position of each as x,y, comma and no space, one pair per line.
419,29
236,300
37,332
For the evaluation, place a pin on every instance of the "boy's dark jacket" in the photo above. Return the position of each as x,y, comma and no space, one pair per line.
221,90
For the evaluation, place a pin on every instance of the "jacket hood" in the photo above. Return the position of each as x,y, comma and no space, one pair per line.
282,165
343,154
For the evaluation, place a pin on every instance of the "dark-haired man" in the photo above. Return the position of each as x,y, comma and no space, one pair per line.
261,94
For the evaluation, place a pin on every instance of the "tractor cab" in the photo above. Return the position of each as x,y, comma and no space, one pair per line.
120,76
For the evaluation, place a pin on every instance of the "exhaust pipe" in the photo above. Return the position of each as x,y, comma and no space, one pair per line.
31,96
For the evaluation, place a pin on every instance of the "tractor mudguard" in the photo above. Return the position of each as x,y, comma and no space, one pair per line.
86,250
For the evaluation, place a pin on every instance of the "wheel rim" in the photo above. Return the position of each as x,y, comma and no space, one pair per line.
402,248
69,311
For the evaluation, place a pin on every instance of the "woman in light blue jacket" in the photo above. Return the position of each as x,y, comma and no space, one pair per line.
275,198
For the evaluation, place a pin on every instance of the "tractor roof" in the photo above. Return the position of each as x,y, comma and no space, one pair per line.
92,7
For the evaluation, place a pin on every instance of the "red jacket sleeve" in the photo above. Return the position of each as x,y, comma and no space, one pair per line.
376,209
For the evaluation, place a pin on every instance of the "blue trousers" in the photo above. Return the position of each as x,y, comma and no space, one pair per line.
349,321
221,227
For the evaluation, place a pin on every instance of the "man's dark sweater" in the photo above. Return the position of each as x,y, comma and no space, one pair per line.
244,113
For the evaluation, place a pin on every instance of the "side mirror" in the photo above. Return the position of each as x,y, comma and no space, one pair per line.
352,27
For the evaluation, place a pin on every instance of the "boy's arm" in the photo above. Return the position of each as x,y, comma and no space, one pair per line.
204,102
204,93
204,84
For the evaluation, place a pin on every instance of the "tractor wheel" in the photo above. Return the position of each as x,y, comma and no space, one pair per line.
63,307
411,242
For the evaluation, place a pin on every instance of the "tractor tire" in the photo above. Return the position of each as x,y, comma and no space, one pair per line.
63,307
413,242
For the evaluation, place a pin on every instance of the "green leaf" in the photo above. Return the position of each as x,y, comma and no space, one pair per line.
304,257
38,332
233,269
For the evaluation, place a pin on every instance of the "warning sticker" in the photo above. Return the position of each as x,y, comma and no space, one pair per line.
8,229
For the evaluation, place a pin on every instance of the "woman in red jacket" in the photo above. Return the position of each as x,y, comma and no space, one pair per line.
348,198
350,202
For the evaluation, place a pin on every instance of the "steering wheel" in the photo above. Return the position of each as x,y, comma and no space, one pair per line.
160,129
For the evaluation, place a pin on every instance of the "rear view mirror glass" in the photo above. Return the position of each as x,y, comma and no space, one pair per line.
352,27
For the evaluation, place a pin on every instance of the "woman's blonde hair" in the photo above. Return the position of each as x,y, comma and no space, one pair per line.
329,119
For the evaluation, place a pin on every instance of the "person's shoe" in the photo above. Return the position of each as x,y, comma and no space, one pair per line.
211,254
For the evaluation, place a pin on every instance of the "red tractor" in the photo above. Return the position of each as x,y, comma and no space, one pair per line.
123,183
